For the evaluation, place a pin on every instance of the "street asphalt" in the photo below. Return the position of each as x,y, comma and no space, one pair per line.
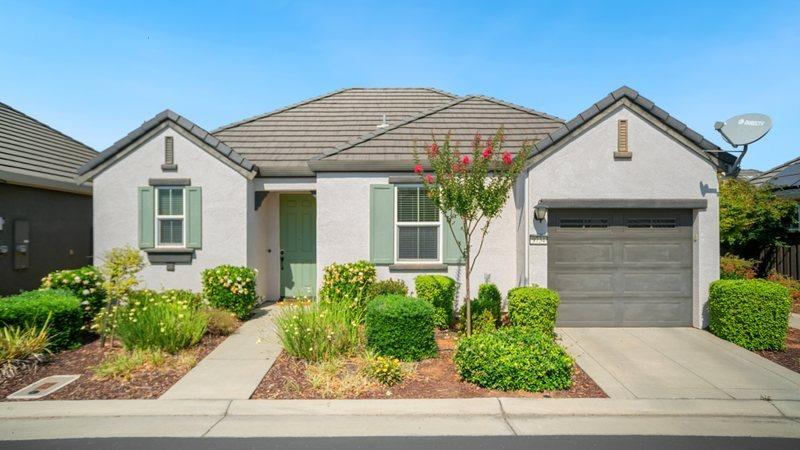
399,443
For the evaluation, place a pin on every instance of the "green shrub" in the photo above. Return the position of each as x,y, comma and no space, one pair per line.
753,314
384,287
534,307
401,327
385,369
489,299
732,267
86,283
484,322
18,342
231,288
350,281
221,322
319,331
441,320
514,358
33,308
439,290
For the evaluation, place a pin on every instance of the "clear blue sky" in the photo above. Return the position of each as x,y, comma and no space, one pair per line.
97,69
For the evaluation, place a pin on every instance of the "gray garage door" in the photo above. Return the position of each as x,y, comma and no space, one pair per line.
621,267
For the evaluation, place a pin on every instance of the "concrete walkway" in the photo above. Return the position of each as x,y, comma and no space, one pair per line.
676,363
794,320
235,368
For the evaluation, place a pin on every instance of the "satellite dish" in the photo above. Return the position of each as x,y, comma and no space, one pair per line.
744,129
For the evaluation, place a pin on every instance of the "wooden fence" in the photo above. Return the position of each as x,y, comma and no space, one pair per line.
784,260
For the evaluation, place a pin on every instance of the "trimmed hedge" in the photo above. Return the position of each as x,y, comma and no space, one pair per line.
33,308
231,288
489,299
533,306
401,327
753,314
514,358
440,291
384,287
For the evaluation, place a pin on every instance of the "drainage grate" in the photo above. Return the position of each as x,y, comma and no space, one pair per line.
43,387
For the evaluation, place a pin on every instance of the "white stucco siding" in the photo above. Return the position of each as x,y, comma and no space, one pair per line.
225,208
662,167
343,233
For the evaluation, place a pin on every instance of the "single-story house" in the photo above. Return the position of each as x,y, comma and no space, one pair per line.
45,218
630,237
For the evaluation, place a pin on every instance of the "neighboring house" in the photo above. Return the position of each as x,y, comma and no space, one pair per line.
631,237
748,174
45,218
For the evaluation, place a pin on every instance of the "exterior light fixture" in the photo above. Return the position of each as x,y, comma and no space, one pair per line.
540,211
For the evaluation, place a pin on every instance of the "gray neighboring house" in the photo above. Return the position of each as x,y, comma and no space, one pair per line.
45,218
630,237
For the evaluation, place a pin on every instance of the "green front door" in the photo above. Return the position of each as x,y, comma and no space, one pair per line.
298,245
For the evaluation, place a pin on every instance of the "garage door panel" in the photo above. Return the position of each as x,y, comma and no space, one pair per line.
646,312
655,283
585,282
661,253
584,253
588,313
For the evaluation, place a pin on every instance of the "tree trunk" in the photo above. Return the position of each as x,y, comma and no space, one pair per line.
467,270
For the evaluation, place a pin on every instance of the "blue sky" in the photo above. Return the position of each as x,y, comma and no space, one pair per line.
96,70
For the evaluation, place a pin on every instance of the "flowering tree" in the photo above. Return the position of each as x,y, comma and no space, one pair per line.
470,190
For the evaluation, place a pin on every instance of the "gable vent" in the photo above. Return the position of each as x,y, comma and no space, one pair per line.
169,155
623,152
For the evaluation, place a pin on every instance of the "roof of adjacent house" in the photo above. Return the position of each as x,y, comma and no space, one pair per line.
462,118
784,176
32,152
167,115
282,142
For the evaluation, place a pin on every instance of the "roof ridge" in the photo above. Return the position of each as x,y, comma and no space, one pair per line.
520,107
373,134
49,127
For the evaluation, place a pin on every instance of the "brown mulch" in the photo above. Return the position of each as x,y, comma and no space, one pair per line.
146,384
789,358
434,378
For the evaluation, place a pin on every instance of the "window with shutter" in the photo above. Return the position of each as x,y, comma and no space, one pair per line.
417,225
170,216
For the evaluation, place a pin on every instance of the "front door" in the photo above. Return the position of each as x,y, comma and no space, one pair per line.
298,245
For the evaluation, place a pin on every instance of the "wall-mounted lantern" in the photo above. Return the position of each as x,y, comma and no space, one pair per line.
540,211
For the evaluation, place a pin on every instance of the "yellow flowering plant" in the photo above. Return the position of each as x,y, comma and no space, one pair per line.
232,288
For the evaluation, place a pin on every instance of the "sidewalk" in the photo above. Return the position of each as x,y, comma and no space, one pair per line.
236,367
444,417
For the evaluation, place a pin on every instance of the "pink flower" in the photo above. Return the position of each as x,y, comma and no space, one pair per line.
418,169
507,158
487,152
465,160
429,179
434,150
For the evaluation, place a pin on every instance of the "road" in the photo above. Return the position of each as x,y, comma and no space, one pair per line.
398,443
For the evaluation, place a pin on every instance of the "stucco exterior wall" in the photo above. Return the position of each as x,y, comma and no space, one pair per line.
225,208
343,232
662,167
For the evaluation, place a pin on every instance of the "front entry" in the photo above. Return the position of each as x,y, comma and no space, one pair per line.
298,245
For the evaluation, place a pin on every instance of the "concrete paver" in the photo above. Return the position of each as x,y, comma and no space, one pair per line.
794,320
676,363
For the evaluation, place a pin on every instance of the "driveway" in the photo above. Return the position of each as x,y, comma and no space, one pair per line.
668,363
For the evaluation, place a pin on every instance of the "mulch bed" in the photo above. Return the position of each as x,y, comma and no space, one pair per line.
434,378
789,358
142,385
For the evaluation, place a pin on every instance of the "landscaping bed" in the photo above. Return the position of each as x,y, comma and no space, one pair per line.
789,358
430,378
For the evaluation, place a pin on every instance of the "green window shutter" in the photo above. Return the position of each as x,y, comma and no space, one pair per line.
194,217
381,223
452,254
147,237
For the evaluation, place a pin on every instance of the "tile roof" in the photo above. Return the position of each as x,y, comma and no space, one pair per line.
784,176
32,150
462,117
281,142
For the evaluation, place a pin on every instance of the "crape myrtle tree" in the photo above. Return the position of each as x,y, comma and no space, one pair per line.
470,190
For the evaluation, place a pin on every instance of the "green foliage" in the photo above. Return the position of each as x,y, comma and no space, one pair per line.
788,282
18,342
514,358
732,267
384,287
533,306
169,321
401,327
59,310
489,299
752,217
753,314
350,281
120,269
122,365
231,288
86,283
441,319
385,369
484,322
221,322
440,291
320,331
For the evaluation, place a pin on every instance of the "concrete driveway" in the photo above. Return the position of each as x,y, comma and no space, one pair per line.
669,363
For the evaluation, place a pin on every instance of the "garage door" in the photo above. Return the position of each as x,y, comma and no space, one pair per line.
621,267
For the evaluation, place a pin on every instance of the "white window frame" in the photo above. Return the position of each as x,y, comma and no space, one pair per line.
398,224
170,216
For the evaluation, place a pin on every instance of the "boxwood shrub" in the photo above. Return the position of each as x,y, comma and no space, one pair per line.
231,288
440,291
514,358
489,299
33,307
401,327
533,306
390,286
753,314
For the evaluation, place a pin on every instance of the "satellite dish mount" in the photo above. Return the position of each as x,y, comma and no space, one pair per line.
741,131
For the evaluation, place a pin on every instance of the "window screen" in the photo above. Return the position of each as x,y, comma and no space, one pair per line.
417,225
